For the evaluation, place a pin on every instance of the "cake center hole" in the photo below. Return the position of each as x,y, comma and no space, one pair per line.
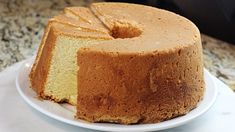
125,29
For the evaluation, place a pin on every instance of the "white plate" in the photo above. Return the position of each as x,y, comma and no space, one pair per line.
65,112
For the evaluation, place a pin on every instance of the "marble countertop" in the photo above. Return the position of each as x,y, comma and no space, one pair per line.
22,23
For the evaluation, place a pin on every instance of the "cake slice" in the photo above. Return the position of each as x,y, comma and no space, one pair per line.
53,75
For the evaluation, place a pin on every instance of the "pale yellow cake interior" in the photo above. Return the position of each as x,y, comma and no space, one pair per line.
61,84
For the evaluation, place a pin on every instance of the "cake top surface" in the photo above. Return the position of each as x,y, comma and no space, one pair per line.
160,29
130,28
66,30
84,18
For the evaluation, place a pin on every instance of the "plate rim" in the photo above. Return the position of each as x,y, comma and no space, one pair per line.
138,127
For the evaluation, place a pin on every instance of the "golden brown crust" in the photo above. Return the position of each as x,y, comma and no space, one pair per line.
147,88
39,72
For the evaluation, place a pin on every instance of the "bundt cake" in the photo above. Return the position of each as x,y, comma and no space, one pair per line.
121,63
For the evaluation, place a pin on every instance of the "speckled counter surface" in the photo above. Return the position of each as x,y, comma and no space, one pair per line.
22,23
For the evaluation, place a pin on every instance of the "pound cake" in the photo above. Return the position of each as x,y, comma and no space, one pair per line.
121,63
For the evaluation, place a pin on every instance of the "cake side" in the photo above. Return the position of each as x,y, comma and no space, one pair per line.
139,88
151,77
